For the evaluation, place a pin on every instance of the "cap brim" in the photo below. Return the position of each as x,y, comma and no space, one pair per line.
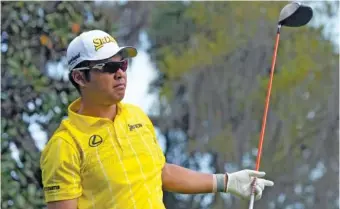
125,52
128,51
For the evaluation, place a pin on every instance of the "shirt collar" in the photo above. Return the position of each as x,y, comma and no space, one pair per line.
83,121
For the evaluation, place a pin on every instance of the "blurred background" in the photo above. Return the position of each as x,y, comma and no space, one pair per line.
201,75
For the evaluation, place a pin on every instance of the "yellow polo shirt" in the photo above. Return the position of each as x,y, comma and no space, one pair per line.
105,164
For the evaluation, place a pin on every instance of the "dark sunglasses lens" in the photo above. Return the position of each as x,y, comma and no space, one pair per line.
112,67
124,65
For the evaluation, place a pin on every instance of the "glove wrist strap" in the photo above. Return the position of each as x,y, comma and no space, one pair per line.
219,183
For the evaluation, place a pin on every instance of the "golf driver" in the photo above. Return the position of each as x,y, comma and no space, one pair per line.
292,15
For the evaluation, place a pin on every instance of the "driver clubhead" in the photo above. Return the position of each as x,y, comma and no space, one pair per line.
295,15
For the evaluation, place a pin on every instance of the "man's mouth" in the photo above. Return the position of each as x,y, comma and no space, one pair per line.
121,85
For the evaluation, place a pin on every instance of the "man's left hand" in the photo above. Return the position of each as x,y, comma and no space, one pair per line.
240,183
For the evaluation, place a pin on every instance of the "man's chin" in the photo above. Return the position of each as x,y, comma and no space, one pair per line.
113,101
115,97
118,98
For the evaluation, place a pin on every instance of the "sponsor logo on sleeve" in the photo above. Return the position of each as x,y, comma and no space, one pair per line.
52,188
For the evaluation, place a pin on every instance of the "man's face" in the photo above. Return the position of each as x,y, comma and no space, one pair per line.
106,88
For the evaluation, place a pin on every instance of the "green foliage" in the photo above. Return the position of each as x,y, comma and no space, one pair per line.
212,59
215,72
36,33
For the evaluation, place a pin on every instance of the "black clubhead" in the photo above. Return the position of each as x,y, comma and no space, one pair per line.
295,15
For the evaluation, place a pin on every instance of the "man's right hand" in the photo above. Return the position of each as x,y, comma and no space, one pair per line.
240,183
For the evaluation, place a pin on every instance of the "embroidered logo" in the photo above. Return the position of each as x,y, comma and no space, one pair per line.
134,126
73,59
95,140
99,42
51,188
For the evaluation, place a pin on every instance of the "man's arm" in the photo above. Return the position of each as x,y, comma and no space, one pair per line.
182,180
63,204
60,171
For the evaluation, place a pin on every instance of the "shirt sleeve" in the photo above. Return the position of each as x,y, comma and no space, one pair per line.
60,165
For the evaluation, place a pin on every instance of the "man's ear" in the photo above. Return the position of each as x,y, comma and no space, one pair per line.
79,78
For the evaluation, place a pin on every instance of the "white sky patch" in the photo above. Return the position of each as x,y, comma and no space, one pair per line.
139,76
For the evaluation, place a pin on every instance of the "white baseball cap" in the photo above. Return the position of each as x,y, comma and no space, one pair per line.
95,45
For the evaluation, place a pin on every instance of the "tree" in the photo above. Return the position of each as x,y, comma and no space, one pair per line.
213,79
213,64
34,36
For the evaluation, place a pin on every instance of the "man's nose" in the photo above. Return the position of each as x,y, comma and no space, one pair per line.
119,74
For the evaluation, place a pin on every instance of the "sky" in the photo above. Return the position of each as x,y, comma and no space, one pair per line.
140,74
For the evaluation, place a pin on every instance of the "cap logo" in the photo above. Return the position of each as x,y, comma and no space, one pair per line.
73,59
99,42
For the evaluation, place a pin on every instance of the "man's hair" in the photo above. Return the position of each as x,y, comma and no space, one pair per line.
86,74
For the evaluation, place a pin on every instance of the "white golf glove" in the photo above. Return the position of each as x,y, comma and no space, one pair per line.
240,183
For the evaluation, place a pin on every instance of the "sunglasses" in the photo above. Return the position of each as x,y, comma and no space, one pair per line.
108,67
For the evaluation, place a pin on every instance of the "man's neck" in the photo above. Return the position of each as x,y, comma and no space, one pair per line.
97,110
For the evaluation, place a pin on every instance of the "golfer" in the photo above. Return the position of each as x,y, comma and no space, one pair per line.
105,154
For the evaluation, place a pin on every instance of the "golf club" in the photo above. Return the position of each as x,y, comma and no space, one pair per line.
292,15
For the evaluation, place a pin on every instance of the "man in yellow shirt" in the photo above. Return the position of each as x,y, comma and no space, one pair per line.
105,155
